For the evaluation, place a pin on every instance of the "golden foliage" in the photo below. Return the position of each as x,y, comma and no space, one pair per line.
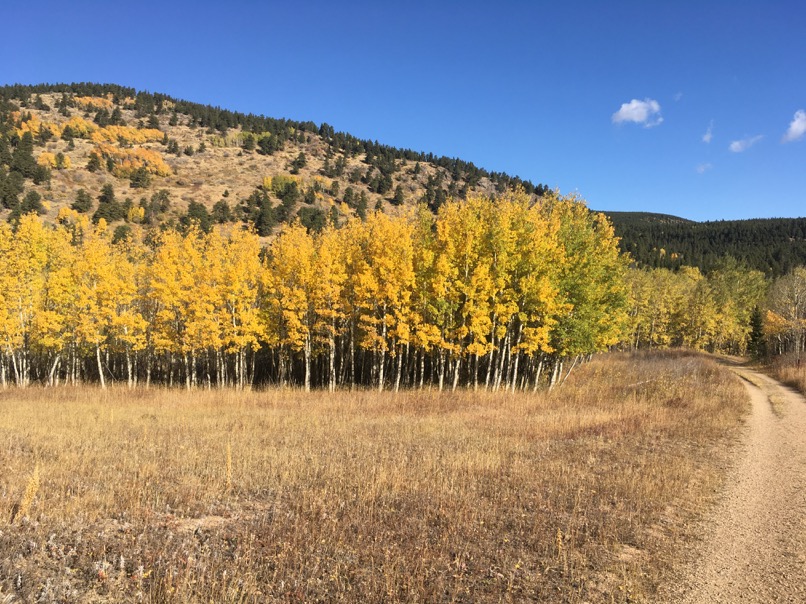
126,134
93,102
497,284
136,214
80,127
35,126
126,161
46,159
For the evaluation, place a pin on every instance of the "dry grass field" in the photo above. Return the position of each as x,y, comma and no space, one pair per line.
581,495
789,371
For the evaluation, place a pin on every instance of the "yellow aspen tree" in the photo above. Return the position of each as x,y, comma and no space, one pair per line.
54,328
696,321
639,287
6,245
129,327
353,234
171,285
655,301
23,280
328,299
534,282
736,291
97,286
591,283
384,283
292,282
430,286
466,248
199,295
239,299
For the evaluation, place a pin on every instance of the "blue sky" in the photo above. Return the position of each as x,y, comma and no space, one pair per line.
687,108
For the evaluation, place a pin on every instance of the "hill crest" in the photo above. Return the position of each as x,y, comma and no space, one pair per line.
172,160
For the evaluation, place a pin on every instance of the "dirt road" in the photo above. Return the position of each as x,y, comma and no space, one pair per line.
754,541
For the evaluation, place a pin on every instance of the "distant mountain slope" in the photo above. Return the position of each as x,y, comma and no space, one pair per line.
645,218
169,160
135,157
772,245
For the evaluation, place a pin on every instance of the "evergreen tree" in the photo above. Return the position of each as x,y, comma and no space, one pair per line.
94,163
197,214
361,207
398,198
312,219
22,159
266,219
333,216
11,187
384,184
140,178
267,145
31,204
122,233
299,162
116,119
109,208
41,175
83,202
45,135
310,196
222,213
349,196
5,152
173,147
757,342
102,118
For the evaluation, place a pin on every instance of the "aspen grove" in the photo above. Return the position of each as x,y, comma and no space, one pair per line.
496,294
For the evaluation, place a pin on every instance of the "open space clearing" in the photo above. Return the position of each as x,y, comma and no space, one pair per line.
583,494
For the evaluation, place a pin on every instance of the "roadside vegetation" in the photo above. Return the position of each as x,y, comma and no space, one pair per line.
577,495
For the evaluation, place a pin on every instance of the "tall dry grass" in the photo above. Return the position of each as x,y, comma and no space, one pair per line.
788,370
281,496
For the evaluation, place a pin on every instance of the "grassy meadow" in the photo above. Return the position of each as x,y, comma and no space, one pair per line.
788,370
579,495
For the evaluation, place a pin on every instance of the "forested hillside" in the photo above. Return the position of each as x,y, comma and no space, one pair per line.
141,158
773,246
147,239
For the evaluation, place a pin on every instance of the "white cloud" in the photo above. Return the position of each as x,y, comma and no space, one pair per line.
745,143
646,112
797,128
709,134
703,168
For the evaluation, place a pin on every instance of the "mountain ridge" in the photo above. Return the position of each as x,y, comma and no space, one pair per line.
137,157
267,170
772,245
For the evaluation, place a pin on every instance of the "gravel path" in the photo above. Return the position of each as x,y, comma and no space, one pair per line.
754,546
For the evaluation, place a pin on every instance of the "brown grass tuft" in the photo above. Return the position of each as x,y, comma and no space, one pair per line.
788,370
580,495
